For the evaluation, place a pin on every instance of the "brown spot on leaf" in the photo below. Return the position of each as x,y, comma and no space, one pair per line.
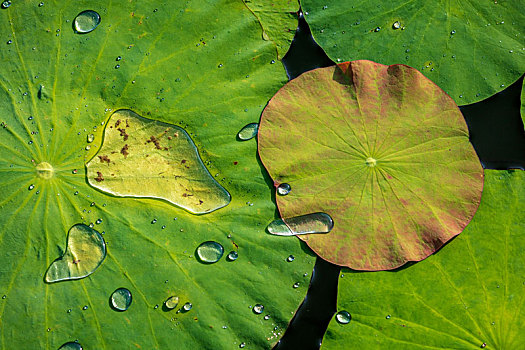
104,159
99,177
124,150
117,123
235,163
123,133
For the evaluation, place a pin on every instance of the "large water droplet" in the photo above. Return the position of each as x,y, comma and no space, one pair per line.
145,158
248,131
210,252
172,302
187,307
121,299
300,225
84,253
90,138
86,21
343,317
283,189
396,25
70,345
258,309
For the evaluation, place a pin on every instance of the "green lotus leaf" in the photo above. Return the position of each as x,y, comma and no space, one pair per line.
278,20
380,149
470,295
471,49
169,62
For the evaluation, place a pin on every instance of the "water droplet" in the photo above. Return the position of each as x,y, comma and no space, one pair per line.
69,311
70,345
387,317
325,7
86,21
483,345
121,299
163,227
258,309
299,225
452,32
283,189
396,25
153,221
272,62
248,131
117,66
9,41
233,255
88,147
209,252
172,302
31,187
85,251
290,258
6,4
40,4
187,307
371,162
90,138
343,317
220,65
296,285
4,296
377,29
267,317
156,307
92,204
98,222
74,171
181,177
76,193
85,307
118,58
242,345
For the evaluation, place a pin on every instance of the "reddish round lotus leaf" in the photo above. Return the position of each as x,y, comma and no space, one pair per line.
383,151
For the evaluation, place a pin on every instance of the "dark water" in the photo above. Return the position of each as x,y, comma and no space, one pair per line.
496,131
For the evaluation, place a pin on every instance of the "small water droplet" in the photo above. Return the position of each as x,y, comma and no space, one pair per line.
343,317
153,221
70,345
31,187
74,171
156,307
41,4
242,345
92,204
377,29
209,252
118,58
88,147
325,7
85,307
86,21
267,317
258,309
76,193
121,299
233,255
4,296
163,227
298,225
272,62
290,258
483,345
90,138
283,189
6,4
296,285
187,307
98,222
220,65
396,25
452,32
171,302
387,317
117,66
69,311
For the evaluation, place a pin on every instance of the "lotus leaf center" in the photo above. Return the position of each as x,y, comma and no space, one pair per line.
45,170
371,162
